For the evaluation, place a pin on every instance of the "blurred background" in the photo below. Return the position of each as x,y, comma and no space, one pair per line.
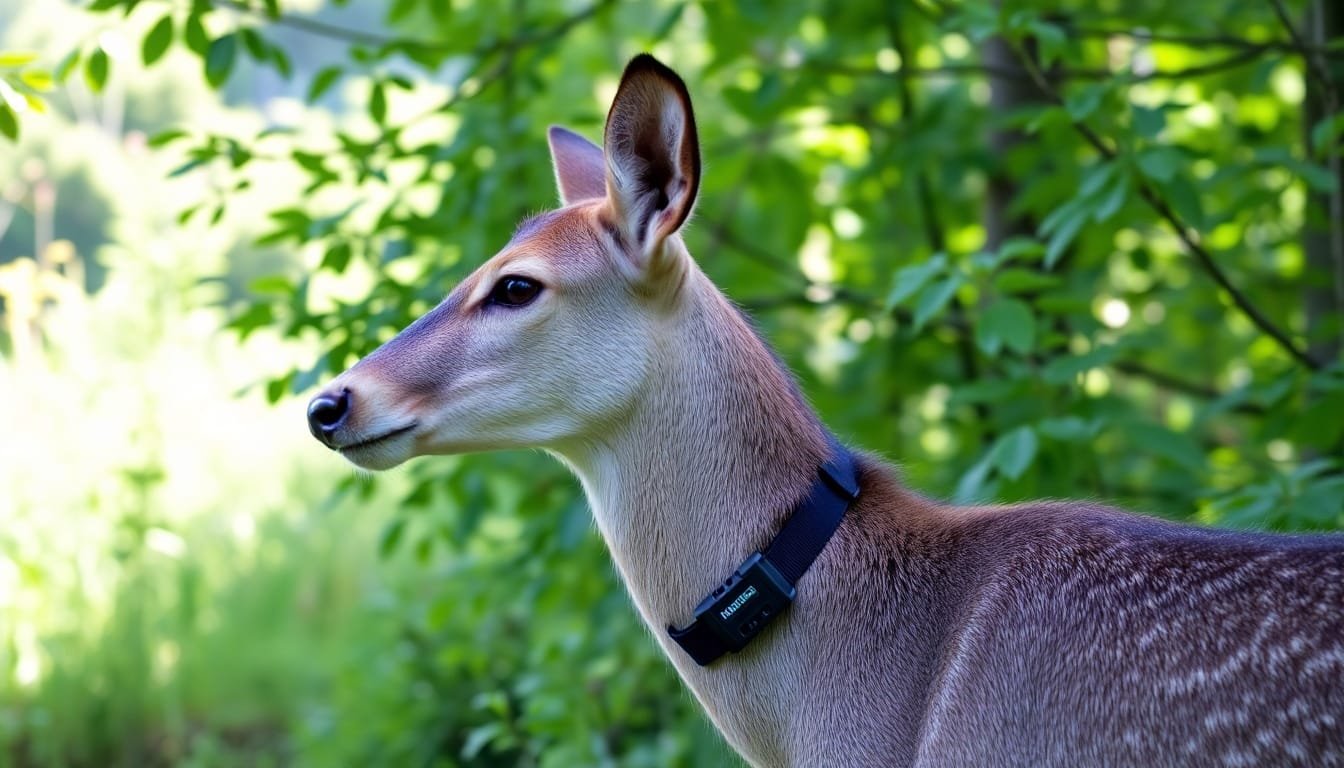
1024,249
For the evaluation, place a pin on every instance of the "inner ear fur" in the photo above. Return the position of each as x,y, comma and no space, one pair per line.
652,152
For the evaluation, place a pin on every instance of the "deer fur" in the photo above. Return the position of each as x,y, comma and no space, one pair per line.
1053,633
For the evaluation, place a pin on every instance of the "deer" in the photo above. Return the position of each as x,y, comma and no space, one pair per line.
821,612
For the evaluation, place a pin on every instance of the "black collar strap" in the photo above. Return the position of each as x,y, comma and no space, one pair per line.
765,584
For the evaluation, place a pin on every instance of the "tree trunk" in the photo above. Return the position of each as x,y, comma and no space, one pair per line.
1323,232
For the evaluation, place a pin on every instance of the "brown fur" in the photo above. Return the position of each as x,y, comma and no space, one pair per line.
1047,634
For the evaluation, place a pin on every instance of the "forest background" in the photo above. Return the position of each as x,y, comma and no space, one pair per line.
1025,249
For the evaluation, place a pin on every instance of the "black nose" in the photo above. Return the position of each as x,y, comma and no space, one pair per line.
326,414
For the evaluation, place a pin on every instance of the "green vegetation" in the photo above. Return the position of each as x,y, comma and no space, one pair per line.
1091,249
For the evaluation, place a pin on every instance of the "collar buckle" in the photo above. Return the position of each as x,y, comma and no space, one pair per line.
747,601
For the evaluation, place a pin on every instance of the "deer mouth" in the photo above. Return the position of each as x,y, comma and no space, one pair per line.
376,440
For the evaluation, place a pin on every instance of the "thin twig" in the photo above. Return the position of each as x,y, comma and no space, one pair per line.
361,37
1199,41
1177,384
721,233
1187,235
956,69
334,31
835,296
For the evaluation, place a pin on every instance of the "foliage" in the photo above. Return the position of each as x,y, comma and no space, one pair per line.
21,88
1035,249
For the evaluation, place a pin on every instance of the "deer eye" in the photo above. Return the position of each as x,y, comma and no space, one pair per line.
514,291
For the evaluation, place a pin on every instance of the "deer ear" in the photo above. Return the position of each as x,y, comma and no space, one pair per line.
580,172
653,155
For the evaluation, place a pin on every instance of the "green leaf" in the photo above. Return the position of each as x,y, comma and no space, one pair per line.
276,388
95,70
254,44
972,486
310,377
378,103
1114,200
158,39
14,59
1185,201
163,138
195,35
1006,322
1147,121
1055,218
1326,133
391,537
277,284
1081,104
280,60
1050,40
310,161
1020,246
9,124
1068,429
1317,177
1320,424
986,390
219,59
1096,177
1013,453
1063,369
1161,163
37,79
479,738
323,81
254,317
935,298
908,280
1064,234
186,167
1022,280
337,257
66,66
1177,447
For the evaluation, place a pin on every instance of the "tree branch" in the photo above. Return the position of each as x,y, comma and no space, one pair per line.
721,233
955,69
839,295
1177,384
361,37
1187,235
332,31
1199,41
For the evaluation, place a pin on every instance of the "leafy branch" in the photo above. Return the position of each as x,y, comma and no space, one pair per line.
1188,235
933,225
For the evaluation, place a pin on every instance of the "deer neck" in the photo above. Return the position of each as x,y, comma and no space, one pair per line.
709,462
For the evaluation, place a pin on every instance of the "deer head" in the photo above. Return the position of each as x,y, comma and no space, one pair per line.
550,342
